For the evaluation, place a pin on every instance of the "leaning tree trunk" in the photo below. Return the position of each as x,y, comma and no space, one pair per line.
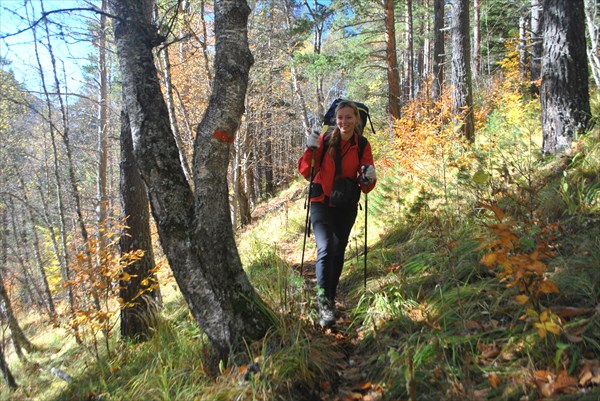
462,95
8,377
195,228
140,293
37,251
564,92
20,341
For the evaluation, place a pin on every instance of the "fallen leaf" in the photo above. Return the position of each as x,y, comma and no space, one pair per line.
585,378
569,311
489,259
590,373
494,380
352,396
473,325
563,380
325,386
364,386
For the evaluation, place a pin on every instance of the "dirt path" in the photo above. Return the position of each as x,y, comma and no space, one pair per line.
350,382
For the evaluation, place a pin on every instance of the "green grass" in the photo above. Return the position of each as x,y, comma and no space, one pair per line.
432,323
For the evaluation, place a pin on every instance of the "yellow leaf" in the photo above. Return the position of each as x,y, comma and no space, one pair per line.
522,299
553,328
548,287
541,330
489,260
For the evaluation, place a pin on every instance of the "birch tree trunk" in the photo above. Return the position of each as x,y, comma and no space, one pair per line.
102,194
535,61
523,48
591,13
195,228
172,115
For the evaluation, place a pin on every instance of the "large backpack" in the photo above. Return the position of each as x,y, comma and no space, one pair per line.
329,123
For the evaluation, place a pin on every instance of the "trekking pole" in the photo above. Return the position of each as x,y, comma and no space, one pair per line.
307,207
366,249
366,212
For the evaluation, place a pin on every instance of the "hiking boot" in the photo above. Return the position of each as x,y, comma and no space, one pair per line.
336,312
326,315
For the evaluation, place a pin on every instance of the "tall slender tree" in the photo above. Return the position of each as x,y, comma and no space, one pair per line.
476,38
535,60
409,65
391,58
438,50
462,93
139,293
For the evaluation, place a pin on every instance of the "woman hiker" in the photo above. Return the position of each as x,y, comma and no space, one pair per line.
340,174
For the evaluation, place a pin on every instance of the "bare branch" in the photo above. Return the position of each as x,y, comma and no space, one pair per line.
62,10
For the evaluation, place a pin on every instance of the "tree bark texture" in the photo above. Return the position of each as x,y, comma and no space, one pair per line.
462,95
7,375
565,90
438,50
195,228
391,57
140,293
591,14
103,104
476,38
535,61
409,59
523,48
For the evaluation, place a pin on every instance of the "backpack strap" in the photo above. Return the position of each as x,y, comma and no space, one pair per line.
362,144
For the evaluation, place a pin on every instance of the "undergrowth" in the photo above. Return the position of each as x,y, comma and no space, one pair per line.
482,283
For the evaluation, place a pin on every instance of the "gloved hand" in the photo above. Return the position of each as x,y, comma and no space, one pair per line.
368,174
312,141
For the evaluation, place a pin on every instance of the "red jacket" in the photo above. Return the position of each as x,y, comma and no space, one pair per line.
324,174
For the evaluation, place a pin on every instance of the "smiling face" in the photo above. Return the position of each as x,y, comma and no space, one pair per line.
345,119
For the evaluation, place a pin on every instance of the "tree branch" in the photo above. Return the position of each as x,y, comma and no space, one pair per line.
62,10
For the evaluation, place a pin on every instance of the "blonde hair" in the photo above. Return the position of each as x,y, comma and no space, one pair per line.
337,134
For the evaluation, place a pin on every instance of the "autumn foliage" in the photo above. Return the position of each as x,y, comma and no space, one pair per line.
523,268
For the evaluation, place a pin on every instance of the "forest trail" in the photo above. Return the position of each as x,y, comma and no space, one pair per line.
349,382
